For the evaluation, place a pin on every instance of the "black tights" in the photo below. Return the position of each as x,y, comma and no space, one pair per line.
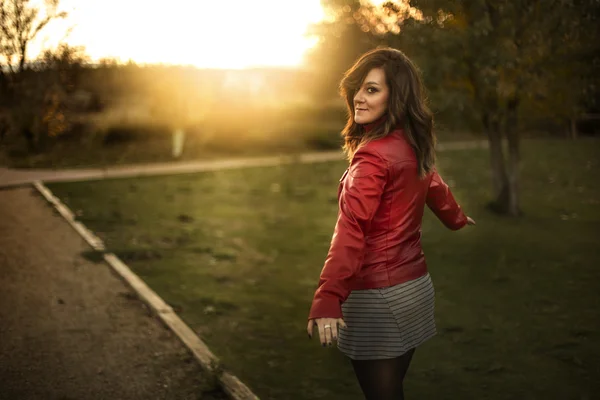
383,379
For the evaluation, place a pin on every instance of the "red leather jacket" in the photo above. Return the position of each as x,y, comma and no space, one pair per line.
377,238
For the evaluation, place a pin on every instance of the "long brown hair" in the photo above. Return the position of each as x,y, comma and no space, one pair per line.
407,106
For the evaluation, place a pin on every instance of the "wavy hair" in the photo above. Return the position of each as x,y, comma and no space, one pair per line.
406,108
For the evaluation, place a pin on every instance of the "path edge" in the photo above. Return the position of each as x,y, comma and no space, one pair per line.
233,387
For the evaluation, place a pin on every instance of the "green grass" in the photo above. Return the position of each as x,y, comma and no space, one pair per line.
238,254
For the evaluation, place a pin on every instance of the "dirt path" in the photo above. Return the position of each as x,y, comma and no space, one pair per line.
14,177
69,328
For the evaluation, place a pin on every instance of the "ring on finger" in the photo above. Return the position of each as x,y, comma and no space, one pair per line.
327,326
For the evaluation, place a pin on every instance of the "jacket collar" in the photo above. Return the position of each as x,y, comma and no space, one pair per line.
368,127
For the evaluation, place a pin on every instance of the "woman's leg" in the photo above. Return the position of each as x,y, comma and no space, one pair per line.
383,379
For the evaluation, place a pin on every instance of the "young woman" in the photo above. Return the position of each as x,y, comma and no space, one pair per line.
375,273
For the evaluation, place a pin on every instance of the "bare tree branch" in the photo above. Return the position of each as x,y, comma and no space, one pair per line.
20,23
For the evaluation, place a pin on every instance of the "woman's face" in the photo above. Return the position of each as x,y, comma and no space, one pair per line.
371,99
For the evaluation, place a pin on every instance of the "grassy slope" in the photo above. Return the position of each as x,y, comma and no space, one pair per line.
238,254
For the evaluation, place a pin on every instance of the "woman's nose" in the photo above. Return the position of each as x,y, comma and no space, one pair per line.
358,98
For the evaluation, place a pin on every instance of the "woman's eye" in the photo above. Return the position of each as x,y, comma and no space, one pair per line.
371,90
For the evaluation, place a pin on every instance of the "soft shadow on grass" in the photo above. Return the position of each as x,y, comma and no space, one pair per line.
238,254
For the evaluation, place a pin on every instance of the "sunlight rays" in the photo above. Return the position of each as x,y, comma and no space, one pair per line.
204,33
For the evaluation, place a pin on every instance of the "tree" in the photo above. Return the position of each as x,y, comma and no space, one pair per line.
506,53
58,75
20,23
343,37
43,103
496,58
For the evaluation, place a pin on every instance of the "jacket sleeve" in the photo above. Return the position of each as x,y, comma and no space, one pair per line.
441,201
359,199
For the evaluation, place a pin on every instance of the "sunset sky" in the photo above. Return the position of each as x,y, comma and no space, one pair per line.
204,33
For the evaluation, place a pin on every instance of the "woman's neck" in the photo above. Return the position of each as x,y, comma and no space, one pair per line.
368,127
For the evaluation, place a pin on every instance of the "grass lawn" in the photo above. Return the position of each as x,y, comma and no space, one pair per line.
238,255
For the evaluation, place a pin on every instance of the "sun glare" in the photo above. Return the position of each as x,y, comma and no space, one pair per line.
204,33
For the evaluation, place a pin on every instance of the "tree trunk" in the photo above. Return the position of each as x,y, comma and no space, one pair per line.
3,88
30,139
22,58
499,177
512,134
573,128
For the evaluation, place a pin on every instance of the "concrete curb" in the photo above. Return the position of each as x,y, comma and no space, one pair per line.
233,387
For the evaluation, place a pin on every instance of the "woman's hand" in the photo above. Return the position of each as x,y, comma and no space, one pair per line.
470,221
328,329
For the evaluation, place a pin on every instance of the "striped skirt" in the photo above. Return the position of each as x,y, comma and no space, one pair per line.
388,322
